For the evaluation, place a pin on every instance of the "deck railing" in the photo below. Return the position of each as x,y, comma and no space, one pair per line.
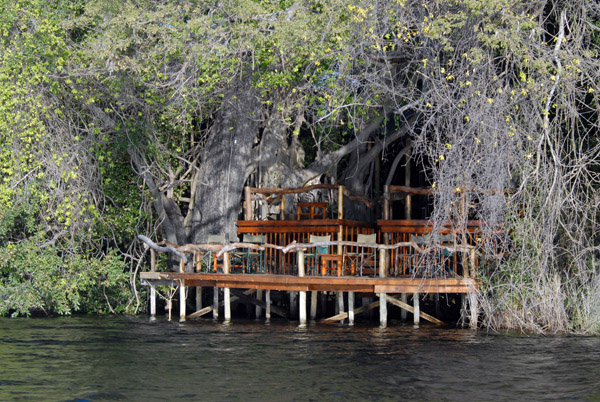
402,231
404,256
283,233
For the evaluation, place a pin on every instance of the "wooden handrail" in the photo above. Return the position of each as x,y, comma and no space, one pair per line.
292,247
280,191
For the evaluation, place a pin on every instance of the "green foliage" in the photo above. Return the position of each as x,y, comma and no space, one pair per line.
38,279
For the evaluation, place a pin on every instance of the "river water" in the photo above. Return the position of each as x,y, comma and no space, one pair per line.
134,359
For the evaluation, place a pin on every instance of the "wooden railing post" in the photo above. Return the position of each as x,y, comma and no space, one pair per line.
408,199
198,263
340,237
248,203
386,202
302,292
340,217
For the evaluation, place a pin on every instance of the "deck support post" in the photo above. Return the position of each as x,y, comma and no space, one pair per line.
259,297
350,308
302,313
474,307
416,309
382,295
404,299
215,303
313,305
152,302
340,303
182,294
226,291
268,305
152,287
382,310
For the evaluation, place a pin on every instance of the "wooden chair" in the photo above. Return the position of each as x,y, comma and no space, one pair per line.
312,257
208,260
250,260
365,258
439,261
309,210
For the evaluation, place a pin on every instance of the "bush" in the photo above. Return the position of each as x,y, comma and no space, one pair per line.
48,280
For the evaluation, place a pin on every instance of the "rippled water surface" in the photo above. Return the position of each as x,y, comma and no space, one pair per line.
120,358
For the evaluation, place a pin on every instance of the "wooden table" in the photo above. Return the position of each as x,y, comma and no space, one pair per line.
328,261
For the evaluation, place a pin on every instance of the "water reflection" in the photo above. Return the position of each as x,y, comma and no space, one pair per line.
121,358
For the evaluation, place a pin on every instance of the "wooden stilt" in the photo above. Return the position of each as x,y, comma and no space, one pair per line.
404,298
152,287
313,305
382,296
323,302
382,310
152,302
226,291
258,310
340,302
474,307
182,294
302,293
268,306
416,309
351,308
302,308
215,309
182,302
463,309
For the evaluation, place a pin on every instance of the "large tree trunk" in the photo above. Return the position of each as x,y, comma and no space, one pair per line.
217,202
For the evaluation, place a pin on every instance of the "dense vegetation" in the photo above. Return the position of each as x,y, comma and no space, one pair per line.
119,118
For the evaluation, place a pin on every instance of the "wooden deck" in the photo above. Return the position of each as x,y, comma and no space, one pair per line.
397,276
314,283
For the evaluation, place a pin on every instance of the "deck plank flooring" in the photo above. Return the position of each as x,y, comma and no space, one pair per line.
319,283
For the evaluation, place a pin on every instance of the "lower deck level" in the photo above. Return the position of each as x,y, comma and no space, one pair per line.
315,283
257,291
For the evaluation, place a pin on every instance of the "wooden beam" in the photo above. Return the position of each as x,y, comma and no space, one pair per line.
410,309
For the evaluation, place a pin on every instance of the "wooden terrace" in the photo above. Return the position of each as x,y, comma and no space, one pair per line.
284,259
